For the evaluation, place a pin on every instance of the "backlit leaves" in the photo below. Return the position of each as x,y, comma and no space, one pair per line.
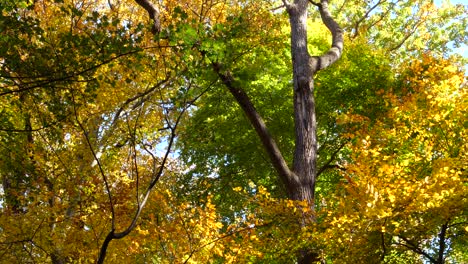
408,175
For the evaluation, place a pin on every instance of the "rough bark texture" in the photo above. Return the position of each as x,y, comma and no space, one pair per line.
300,181
304,106
304,68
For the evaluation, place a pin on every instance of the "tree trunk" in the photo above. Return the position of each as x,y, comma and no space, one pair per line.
304,164
304,68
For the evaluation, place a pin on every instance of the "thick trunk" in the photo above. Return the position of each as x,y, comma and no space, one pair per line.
304,107
304,68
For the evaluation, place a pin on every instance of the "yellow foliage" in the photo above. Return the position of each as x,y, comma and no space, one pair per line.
410,169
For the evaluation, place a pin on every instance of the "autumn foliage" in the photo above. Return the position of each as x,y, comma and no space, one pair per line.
121,144
404,188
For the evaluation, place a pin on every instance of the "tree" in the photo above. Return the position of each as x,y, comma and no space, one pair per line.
300,180
94,99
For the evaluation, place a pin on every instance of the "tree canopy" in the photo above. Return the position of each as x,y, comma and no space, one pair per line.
239,131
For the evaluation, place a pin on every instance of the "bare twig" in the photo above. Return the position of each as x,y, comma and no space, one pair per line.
332,158
278,7
156,176
136,97
112,234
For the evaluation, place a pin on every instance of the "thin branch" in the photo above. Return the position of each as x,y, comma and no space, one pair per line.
314,3
286,4
111,6
51,124
380,18
133,132
332,158
342,7
36,84
365,16
225,236
382,240
442,242
134,98
112,234
189,236
101,170
28,251
415,248
278,7
40,248
456,224
406,37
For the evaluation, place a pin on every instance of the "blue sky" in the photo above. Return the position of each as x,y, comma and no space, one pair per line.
463,50
465,2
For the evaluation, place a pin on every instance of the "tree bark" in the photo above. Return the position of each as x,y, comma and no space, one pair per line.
153,13
304,68
305,153
272,149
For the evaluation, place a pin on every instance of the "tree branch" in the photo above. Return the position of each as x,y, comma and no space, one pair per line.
155,178
153,13
140,95
286,4
277,159
314,3
98,162
407,36
332,158
69,75
112,234
365,16
279,7
415,248
334,53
